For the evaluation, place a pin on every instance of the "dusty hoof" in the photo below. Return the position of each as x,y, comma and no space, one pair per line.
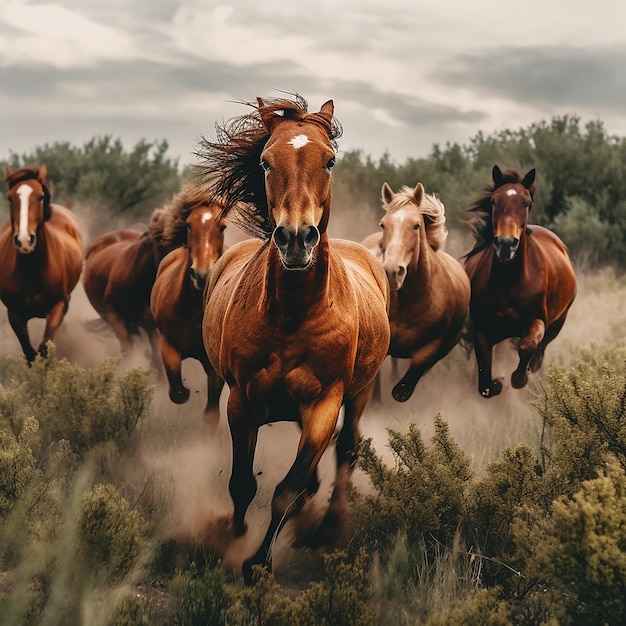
179,396
519,381
494,390
402,392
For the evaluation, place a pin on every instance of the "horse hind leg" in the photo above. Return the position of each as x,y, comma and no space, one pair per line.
215,385
531,347
551,332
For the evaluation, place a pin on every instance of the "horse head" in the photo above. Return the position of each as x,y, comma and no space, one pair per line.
297,162
205,240
29,205
401,226
511,200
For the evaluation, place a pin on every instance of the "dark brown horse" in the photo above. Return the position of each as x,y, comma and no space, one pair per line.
41,257
295,323
523,282
430,291
120,269
176,299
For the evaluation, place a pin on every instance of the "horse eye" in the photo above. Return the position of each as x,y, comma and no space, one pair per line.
40,198
416,227
528,205
222,227
265,166
331,163
382,225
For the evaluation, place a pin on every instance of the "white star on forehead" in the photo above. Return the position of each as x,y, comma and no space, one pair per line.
298,141
511,192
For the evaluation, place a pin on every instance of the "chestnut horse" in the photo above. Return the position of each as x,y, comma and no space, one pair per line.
120,269
41,257
176,299
523,282
295,323
430,291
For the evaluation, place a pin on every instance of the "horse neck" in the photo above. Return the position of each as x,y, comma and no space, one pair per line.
290,294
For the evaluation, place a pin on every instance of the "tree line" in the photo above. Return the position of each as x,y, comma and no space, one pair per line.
580,189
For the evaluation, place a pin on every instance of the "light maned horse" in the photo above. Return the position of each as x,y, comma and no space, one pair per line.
121,266
523,283
430,291
176,300
295,323
41,257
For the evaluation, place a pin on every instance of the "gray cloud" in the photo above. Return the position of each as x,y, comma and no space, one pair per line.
565,77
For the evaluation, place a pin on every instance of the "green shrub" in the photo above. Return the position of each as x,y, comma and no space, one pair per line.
87,407
112,536
579,551
421,497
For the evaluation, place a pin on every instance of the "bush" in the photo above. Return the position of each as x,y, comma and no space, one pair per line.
112,537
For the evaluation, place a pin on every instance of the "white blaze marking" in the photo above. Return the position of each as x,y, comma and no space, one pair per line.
299,141
511,192
24,191
206,217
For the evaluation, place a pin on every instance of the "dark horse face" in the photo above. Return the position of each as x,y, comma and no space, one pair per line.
29,205
510,204
297,161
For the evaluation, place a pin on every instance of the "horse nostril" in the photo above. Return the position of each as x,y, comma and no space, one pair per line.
192,273
281,237
312,236
17,242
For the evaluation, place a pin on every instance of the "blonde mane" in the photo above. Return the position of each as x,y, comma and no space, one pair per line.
434,213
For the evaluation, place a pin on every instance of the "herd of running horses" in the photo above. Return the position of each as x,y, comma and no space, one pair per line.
297,324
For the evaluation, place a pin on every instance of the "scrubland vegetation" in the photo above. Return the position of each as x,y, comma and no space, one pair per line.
464,510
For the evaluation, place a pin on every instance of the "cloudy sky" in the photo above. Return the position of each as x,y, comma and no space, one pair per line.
403,74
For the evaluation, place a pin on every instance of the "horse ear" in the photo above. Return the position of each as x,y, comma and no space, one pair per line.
268,117
529,179
496,173
387,193
418,193
7,170
327,110
41,177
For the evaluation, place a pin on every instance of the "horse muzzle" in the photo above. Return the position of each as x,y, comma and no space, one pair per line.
505,248
25,245
296,247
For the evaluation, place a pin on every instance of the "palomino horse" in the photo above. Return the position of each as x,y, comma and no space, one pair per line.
295,323
430,291
41,257
523,282
121,266
176,299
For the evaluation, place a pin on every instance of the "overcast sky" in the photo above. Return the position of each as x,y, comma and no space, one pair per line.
403,74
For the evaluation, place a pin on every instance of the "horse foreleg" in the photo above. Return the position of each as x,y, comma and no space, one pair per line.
421,361
318,426
20,328
527,350
121,331
54,319
551,332
172,363
244,432
483,349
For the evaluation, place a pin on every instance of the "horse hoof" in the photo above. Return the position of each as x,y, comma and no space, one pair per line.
401,393
494,390
519,382
179,396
